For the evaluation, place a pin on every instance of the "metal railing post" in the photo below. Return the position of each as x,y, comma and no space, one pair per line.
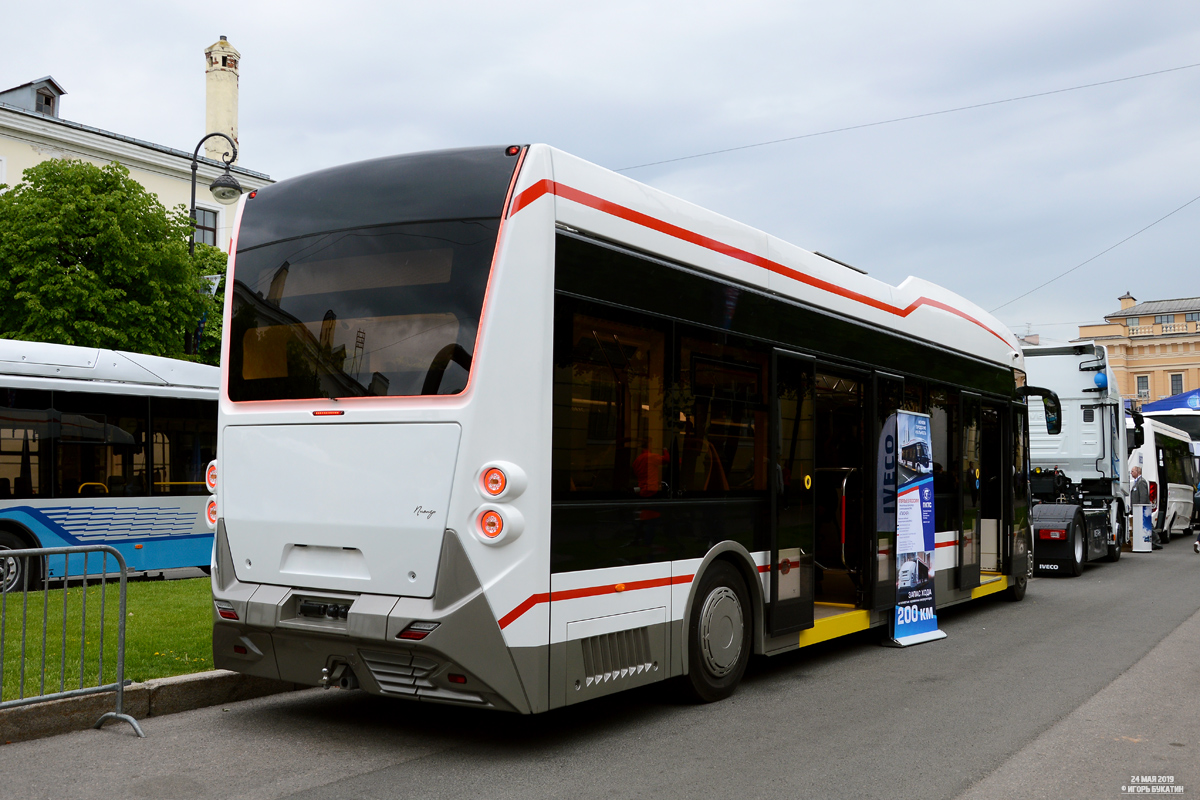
38,556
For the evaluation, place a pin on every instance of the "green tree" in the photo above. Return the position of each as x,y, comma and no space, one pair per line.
210,261
89,257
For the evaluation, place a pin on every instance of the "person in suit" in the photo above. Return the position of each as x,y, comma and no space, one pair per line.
1139,494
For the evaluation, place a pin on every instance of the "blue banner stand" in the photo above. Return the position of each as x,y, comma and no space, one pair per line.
914,619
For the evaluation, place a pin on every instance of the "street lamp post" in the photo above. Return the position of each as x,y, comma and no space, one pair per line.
225,189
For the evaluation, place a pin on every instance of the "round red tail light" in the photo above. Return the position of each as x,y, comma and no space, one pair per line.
491,524
210,513
494,482
210,476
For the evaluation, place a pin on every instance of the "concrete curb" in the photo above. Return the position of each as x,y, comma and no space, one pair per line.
154,698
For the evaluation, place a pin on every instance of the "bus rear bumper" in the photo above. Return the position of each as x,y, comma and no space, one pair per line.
328,638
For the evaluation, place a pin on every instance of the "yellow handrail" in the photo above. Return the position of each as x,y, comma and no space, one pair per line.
92,483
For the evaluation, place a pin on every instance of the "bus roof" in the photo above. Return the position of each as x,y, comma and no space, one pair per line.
59,363
612,206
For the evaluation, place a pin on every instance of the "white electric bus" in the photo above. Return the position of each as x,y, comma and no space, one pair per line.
501,427
104,447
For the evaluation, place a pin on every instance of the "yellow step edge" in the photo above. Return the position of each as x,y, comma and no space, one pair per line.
835,626
991,587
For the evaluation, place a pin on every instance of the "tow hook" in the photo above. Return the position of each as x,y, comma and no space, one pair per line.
342,676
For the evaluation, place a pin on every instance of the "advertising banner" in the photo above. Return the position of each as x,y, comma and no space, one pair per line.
914,620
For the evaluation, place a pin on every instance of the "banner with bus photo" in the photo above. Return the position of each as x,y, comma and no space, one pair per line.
915,618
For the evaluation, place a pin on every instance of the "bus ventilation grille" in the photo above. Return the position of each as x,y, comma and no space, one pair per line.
399,672
613,656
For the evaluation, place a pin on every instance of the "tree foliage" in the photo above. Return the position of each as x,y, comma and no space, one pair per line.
90,257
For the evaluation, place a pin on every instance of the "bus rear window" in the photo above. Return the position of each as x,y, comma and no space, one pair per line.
386,310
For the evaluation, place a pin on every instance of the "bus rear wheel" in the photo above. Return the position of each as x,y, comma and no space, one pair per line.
719,640
13,579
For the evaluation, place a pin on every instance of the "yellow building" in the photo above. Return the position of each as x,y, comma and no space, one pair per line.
1153,347
32,130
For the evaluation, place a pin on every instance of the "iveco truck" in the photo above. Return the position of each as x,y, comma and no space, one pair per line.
1080,477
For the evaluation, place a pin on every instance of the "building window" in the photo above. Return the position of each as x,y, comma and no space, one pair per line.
1164,319
1143,385
1177,383
45,103
206,226
1191,316
1132,322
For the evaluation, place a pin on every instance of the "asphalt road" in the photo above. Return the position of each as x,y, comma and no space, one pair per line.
844,719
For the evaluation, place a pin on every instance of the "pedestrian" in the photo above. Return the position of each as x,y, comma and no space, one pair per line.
1139,495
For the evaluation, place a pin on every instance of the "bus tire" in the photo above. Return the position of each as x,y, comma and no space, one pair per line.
1075,567
719,634
1016,592
15,567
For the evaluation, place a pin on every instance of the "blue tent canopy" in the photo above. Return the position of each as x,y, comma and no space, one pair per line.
1186,400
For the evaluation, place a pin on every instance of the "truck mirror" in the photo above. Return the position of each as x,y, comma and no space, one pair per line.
1053,414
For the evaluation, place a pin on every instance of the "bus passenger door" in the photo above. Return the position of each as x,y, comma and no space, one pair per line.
970,487
792,545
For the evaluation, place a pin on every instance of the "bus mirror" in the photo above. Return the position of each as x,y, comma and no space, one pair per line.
1053,414
1050,403
1139,433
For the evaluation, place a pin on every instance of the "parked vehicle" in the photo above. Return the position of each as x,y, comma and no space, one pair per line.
104,447
1080,479
503,428
1165,456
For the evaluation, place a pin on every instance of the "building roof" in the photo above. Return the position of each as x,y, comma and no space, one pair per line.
46,80
127,139
1152,308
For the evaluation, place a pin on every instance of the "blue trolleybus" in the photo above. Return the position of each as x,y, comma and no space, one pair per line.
104,447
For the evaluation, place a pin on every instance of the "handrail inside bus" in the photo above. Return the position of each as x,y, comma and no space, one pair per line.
846,473
92,483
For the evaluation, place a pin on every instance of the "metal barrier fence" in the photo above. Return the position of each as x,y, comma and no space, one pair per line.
15,568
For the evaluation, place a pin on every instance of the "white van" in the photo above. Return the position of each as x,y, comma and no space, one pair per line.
1165,457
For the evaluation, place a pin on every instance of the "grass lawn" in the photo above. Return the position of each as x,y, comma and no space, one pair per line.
168,631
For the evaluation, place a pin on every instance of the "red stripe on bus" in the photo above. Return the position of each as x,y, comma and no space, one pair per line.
547,186
946,544
589,591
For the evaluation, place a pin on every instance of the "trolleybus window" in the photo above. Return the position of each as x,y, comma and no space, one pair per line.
185,440
101,447
26,420
389,310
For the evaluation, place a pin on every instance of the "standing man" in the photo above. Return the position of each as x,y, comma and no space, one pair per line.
1139,494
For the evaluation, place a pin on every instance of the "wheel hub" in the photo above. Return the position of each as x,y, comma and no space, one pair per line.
721,631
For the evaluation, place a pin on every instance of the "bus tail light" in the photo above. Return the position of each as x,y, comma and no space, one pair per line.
416,631
210,513
1154,493
501,481
210,477
494,481
225,610
1052,533
491,524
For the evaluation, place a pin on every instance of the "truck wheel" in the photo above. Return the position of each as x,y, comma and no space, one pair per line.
1075,569
719,630
14,568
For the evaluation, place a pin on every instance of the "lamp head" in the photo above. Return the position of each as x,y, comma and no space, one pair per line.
225,189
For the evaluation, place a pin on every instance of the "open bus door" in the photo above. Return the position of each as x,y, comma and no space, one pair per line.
793,483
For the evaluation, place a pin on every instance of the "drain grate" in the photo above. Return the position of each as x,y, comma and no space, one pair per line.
613,656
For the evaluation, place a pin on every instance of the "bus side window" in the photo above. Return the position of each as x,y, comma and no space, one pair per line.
26,420
101,446
944,429
609,437
184,433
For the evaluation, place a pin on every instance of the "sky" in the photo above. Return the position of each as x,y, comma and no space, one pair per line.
989,202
